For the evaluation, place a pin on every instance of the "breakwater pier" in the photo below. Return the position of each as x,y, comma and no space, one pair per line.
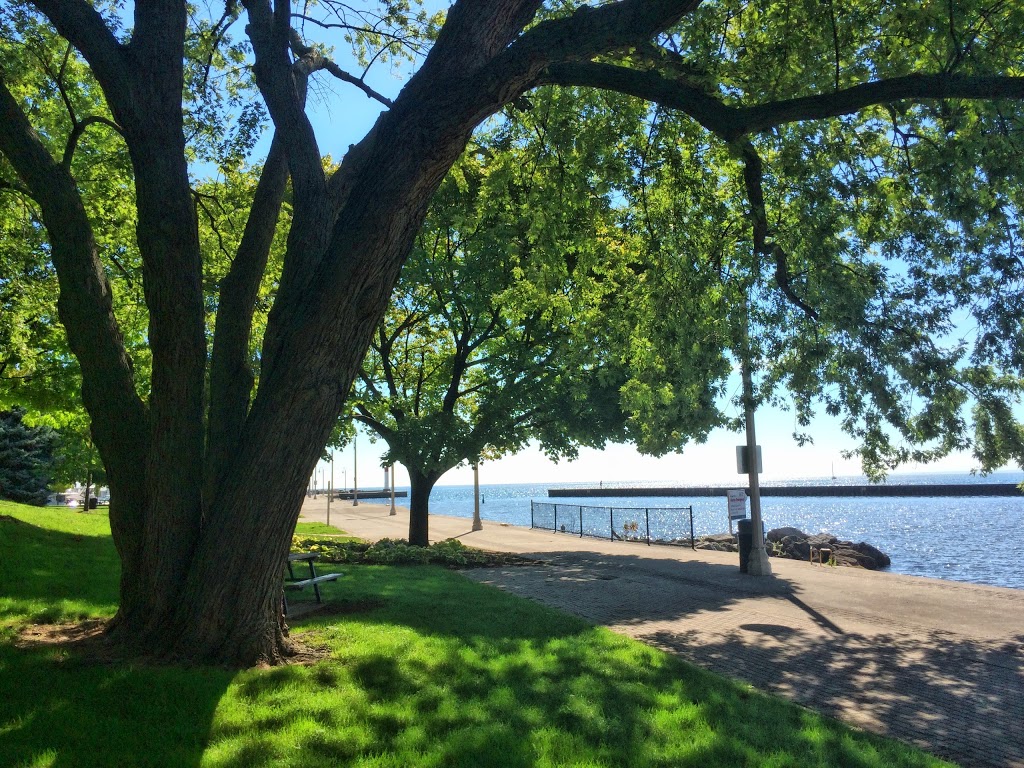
347,495
849,491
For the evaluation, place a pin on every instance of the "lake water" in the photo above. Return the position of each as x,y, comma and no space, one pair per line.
970,538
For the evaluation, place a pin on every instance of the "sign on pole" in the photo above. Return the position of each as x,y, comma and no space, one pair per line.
737,504
742,468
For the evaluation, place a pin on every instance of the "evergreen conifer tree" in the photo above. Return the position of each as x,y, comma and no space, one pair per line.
26,459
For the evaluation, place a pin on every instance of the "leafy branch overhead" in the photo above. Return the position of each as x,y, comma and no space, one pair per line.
839,183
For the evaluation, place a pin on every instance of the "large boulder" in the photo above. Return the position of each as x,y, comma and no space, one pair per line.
881,559
793,547
720,542
778,534
794,544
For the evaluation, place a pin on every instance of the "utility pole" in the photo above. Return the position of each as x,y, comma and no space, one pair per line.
758,564
355,468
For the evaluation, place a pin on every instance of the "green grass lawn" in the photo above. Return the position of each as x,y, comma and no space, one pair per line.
425,668
322,529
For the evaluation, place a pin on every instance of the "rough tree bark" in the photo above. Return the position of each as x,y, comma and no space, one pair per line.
420,486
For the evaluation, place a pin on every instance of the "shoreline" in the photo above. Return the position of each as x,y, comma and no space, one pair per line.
843,491
445,526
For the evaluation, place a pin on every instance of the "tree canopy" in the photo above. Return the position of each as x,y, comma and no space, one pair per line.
837,185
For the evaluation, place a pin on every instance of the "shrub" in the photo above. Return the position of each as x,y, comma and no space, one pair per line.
451,553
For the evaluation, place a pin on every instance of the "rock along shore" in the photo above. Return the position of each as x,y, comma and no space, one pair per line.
794,544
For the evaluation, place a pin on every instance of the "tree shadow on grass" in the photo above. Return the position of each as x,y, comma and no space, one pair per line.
443,672
436,670
953,695
58,711
585,699
960,699
48,575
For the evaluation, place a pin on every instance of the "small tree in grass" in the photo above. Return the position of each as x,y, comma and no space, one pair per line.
26,459
517,315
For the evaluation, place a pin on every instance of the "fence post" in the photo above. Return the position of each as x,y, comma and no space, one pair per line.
555,529
581,521
611,523
531,514
693,544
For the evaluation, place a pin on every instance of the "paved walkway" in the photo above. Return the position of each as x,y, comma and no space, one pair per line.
935,663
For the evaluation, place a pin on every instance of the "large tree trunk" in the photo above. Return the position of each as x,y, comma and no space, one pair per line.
420,486
202,562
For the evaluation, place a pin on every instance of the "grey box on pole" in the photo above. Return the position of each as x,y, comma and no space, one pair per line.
742,468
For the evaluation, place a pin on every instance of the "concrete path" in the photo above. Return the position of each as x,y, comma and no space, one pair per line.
935,663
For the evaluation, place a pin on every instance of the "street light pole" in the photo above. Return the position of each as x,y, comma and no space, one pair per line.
330,489
758,564
355,468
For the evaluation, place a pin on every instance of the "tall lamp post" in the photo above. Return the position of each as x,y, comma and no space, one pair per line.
758,564
330,489
355,468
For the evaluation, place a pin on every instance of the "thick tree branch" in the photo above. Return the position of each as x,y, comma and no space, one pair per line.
753,172
81,24
80,127
275,75
380,199
591,31
475,31
283,85
365,417
858,97
120,422
231,375
733,122
143,83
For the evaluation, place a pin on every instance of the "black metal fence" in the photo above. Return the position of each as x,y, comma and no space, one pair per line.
653,525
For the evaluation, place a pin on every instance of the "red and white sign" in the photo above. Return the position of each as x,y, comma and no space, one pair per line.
737,504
